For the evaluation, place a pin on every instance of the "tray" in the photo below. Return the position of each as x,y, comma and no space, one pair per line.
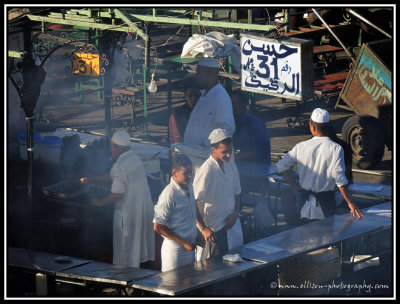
66,190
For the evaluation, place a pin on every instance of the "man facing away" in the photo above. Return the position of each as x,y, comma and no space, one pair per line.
320,165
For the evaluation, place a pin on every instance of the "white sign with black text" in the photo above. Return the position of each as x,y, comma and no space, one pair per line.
272,68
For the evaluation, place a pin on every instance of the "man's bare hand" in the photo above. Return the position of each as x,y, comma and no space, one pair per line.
208,234
189,246
355,211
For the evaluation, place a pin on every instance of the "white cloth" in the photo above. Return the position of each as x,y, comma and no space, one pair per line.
235,235
133,232
320,164
212,111
177,211
235,258
174,255
216,190
311,209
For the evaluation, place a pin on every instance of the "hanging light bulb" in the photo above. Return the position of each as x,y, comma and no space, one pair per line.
152,86
37,61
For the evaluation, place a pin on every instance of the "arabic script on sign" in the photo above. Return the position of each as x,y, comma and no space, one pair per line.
271,67
86,64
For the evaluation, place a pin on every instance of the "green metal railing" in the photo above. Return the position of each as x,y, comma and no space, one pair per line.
93,18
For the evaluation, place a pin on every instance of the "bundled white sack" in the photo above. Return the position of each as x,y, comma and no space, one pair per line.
213,44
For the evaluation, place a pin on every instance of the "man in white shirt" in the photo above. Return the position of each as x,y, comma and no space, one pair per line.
320,165
175,216
133,234
213,109
217,191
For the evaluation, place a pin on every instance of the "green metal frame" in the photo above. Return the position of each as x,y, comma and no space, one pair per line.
91,18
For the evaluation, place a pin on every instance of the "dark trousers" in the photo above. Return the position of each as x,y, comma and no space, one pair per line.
325,199
292,211
220,245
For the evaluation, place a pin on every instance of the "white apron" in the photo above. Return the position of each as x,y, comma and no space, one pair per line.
174,255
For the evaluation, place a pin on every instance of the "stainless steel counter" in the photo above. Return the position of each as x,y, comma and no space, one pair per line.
315,235
188,278
47,263
290,243
105,273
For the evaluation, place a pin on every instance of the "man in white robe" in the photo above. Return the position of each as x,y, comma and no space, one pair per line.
133,234
213,109
217,191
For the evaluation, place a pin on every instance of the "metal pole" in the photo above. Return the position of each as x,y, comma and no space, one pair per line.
334,35
369,23
29,122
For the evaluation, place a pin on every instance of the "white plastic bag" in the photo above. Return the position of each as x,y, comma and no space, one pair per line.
213,44
311,209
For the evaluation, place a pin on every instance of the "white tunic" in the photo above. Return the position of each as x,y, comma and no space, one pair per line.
213,110
216,190
133,232
176,209
320,164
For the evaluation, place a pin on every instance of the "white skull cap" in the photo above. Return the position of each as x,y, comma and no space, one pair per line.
320,115
121,138
208,62
218,135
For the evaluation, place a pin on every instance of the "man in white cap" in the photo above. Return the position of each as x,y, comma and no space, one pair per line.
133,234
217,192
213,109
320,165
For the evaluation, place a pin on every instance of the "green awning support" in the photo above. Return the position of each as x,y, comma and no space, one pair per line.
202,22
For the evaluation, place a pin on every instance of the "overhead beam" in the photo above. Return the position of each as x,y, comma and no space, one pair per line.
207,23
100,26
131,25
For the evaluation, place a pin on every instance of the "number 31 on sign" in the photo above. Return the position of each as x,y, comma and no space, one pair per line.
86,64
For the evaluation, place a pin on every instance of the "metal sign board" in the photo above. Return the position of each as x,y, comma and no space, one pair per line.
369,84
279,67
86,64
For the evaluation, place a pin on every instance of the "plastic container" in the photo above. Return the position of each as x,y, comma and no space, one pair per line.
50,149
23,144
